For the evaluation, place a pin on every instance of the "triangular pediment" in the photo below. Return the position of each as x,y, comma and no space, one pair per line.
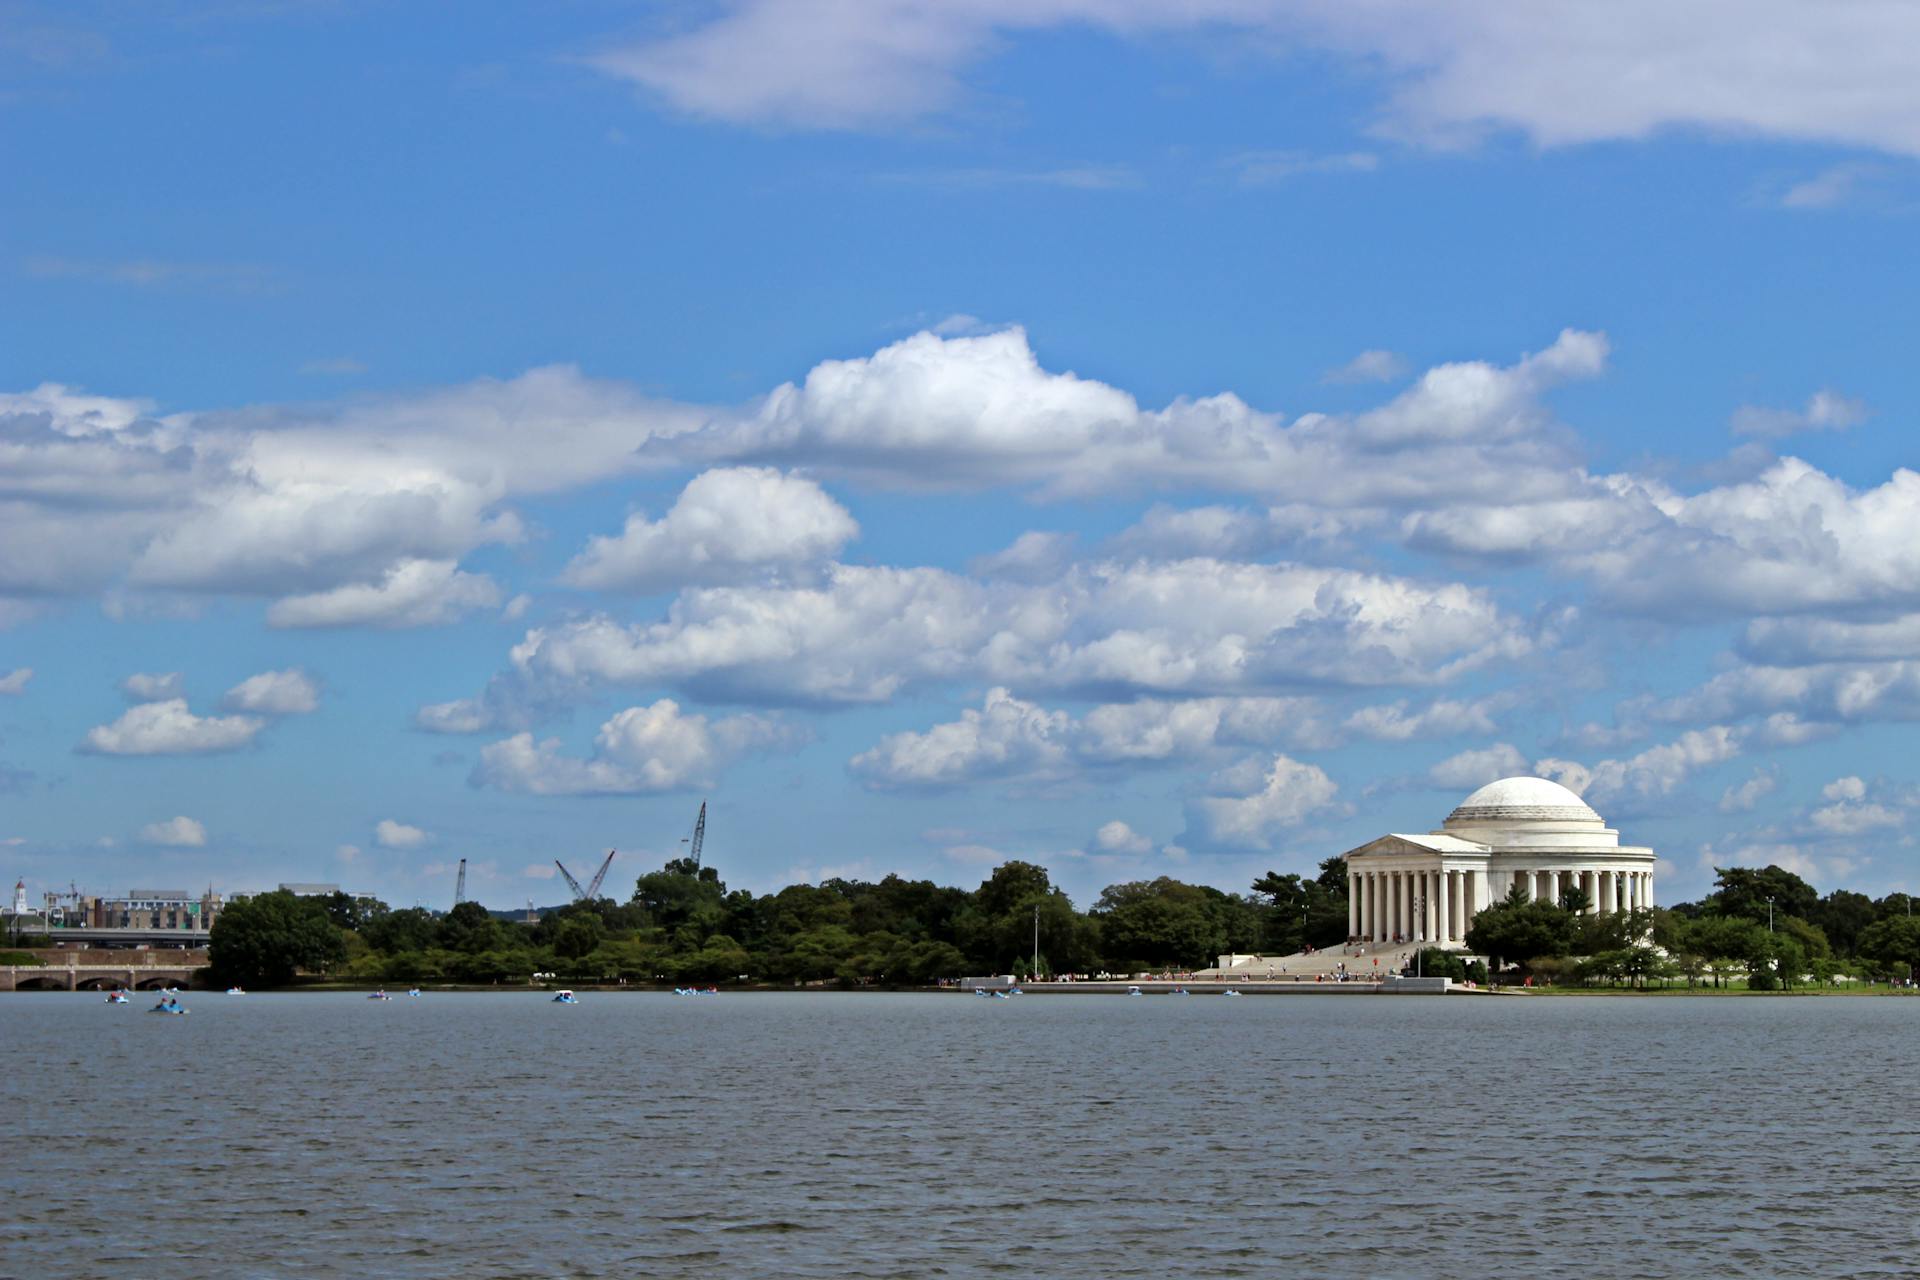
1397,845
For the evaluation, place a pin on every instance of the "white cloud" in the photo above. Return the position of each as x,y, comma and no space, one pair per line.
142,687
168,728
410,593
1286,793
1834,186
730,524
1194,626
389,834
640,750
346,852
1118,837
1742,798
275,693
1657,771
1369,366
1825,410
15,681
975,411
1560,72
1443,718
182,832
1006,738
1848,788
539,871
1475,768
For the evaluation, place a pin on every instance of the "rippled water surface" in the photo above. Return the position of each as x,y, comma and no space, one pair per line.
925,1135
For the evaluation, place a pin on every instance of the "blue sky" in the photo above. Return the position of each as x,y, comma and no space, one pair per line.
1177,438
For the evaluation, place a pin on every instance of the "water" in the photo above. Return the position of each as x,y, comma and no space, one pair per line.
923,1135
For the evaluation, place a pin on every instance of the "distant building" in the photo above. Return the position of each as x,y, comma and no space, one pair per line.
310,890
155,909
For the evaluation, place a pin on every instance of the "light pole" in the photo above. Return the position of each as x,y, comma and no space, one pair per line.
1769,915
1419,928
1035,975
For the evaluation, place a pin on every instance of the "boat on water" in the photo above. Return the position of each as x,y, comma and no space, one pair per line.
696,991
566,997
413,991
1133,991
118,997
380,995
169,1005
1232,993
1179,991
236,991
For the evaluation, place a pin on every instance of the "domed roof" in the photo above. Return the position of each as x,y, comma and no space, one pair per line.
1521,800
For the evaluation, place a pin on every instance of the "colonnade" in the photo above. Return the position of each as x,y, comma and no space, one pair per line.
1437,904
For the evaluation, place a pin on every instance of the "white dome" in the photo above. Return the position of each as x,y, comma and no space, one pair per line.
1513,800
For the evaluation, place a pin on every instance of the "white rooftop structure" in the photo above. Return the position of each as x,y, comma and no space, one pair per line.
1529,832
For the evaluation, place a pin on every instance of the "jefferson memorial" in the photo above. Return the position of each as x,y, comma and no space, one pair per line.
1524,831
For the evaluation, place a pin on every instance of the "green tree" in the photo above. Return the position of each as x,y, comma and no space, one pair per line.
1744,891
1522,933
469,927
263,941
408,929
1893,945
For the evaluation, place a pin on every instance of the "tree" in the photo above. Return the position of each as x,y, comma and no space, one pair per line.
263,941
469,927
1744,892
1521,932
1893,945
408,929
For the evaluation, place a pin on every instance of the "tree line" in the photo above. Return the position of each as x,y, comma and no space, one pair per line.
683,924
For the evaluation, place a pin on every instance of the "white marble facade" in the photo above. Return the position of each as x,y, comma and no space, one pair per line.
1526,831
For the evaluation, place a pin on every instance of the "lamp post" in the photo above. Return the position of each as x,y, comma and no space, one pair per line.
1769,915
1419,927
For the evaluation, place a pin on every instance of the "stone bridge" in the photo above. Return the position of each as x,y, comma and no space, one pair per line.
103,971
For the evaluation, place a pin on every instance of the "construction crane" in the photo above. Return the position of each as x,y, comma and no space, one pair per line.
592,890
699,836
460,884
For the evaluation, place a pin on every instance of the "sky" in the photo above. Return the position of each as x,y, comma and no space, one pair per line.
1143,437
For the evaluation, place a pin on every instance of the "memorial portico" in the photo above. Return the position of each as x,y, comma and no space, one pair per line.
1528,832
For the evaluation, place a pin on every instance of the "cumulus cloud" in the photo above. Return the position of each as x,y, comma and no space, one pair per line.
168,728
144,687
1657,771
979,410
182,832
295,500
1007,737
1194,626
15,681
640,750
411,593
1442,718
1825,410
1279,795
275,693
731,524
1475,768
389,834
1118,837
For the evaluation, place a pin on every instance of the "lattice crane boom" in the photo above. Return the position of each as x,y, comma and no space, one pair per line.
593,888
460,884
699,836
579,894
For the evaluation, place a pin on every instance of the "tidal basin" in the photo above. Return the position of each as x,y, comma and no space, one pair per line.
500,1135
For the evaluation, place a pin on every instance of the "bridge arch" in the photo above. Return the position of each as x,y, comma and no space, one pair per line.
56,981
160,982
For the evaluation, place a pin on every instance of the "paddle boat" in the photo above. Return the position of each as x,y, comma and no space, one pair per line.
413,991
1232,993
696,991
566,997
118,997
1133,991
1179,991
236,991
380,995
168,1005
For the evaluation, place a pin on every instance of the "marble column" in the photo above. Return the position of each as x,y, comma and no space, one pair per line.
1353,904
1446,910
1590,881
1607,905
